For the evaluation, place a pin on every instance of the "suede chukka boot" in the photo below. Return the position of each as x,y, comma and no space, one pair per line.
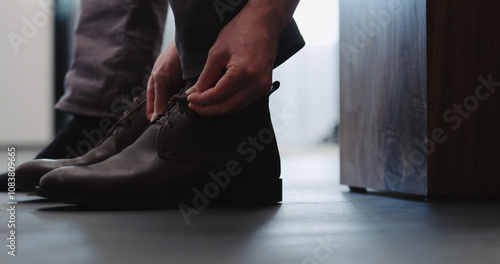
123,133
181,158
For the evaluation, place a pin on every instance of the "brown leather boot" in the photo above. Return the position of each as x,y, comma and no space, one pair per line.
181,159
123,133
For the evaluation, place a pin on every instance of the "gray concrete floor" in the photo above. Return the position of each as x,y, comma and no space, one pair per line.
319,221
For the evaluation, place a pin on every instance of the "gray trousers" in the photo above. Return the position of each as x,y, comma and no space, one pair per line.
117,43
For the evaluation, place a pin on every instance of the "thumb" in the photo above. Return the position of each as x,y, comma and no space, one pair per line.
150,95
211,73
162,96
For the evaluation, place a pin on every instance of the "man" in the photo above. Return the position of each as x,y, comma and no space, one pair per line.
207,97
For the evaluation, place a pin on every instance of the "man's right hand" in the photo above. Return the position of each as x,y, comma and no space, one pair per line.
165,81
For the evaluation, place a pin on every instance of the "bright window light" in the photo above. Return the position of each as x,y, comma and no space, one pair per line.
317,20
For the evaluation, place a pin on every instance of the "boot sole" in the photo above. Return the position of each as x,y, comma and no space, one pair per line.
241,193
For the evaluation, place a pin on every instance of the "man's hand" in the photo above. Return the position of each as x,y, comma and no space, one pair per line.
239,65
165,81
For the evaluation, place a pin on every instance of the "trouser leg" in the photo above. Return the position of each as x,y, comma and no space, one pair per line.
117,43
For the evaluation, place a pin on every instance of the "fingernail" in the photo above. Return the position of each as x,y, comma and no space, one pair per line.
153,117
191,90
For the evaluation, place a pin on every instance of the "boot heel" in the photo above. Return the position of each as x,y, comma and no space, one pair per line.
254,192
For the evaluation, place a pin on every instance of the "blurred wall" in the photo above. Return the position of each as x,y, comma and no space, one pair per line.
26,72
306,107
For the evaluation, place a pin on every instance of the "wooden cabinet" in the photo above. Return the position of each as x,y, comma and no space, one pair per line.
420,96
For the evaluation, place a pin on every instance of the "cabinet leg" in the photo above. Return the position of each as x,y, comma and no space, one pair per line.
357,189
436,198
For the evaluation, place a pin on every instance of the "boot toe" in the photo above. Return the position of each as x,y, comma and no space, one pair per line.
28,174
53,180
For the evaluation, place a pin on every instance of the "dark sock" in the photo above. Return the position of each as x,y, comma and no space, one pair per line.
76,138
3,182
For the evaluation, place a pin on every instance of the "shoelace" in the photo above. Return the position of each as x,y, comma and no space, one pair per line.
174,101
125,118
136,103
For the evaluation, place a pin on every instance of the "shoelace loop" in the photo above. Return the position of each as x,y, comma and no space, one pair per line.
174,101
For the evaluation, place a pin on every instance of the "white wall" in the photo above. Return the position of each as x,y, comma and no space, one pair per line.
169,32
310,80
26,72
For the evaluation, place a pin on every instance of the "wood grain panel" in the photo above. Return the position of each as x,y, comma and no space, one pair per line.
420,107
463,47
383,94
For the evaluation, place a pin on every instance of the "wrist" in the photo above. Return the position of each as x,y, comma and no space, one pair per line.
274,14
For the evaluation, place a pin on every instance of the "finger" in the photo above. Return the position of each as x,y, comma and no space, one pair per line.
150,95
161,98
232,105
226,87
211,72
